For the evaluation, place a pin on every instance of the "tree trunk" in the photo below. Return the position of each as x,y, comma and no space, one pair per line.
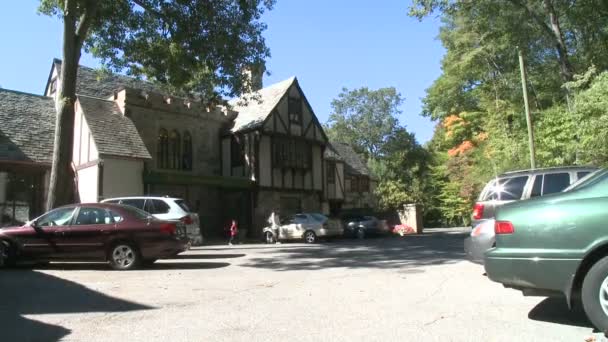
562,50
61,185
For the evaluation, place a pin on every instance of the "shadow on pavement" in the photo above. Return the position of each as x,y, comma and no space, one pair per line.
384,253
206,256
157,266
555,310
26,292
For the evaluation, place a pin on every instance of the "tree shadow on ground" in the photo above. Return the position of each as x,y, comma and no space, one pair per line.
555,310
157,266
384,253
27,292
206,256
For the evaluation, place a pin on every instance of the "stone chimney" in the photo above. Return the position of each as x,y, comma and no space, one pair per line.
254,75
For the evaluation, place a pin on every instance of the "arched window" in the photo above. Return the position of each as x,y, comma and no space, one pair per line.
187,149
162,149
174,150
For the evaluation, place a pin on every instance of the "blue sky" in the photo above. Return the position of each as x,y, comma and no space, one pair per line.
326,44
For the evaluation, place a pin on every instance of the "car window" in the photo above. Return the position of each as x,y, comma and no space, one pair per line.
87,216
508,189
160,207
137,213
537,187
116,216
555,182
301,218
588,179
582,174
57,217
319,217
134,202
182,204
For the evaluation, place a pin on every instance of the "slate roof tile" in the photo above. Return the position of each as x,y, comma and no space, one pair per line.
27,127
255,111
114,134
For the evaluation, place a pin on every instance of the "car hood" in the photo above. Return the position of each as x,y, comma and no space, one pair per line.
4,230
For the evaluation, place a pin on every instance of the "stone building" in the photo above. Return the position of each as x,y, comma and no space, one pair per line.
240,161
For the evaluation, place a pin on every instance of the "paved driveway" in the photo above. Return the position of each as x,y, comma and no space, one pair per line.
416,288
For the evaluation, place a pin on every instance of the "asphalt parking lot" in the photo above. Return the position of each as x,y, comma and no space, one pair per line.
416,288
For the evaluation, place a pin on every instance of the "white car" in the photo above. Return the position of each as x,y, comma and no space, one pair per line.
307,226
166,208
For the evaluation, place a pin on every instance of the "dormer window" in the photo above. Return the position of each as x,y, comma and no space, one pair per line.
295,110
53,88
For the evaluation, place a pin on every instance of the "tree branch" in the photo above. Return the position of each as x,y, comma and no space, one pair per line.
85,21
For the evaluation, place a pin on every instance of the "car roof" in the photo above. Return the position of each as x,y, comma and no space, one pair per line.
142,197
546,170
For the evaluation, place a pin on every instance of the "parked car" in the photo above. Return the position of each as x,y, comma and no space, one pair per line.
124,236
166,208
307,226
557,245
361,226
509,187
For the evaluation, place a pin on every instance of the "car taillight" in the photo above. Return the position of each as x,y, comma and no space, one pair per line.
186,220
503,227
477,230
477,211
168,228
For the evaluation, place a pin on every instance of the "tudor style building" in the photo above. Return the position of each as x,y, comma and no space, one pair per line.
131,138
278,143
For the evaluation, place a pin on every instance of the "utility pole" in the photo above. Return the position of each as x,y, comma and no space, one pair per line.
524,86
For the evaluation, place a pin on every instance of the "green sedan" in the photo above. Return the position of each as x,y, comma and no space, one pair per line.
557,245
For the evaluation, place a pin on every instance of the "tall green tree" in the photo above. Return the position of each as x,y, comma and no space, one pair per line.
197,47
365,118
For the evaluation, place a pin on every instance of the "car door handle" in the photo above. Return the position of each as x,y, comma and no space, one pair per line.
58,233
105,232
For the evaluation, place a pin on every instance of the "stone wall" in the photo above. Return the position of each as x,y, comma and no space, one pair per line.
150,112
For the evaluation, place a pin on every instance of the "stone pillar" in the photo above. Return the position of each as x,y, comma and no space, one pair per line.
412,216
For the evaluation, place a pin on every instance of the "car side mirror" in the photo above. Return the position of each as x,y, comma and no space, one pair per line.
34,224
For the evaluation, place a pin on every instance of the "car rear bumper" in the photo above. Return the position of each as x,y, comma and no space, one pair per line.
523,272
476,246
166,248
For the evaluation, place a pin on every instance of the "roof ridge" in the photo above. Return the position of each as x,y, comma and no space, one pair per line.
25,93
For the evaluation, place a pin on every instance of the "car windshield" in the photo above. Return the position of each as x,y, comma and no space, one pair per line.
589,179
138,213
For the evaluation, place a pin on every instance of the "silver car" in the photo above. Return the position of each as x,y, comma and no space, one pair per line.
509,187
306,226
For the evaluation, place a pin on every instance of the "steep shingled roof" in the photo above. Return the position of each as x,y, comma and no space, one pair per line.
27,127
255,111
114,134
353,163
92,82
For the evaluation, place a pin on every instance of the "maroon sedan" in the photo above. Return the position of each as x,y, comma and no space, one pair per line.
125,236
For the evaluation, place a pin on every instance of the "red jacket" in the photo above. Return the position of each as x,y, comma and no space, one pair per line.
233,229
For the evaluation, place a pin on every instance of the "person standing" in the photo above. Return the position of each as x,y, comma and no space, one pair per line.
234,230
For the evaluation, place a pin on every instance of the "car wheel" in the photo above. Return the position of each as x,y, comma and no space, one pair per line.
269,237
310,237
124,256
595,294
360,233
